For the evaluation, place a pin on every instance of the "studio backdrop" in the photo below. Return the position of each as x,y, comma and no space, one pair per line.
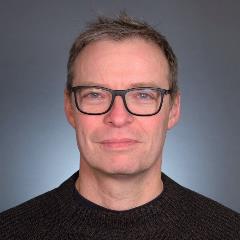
38,150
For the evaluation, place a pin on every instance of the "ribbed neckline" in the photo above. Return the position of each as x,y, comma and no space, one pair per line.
76,215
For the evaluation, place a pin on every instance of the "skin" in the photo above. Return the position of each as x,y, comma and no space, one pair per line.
121,154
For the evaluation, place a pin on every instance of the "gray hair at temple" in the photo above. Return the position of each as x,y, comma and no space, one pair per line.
118,29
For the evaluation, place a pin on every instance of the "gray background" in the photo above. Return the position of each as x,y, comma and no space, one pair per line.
37,146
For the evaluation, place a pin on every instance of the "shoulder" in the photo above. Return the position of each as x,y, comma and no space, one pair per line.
40,216
207,208
210,217
28,216
203,216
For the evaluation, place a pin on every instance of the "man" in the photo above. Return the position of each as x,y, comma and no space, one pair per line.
121,98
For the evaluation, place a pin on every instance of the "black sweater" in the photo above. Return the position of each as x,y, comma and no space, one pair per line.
177,213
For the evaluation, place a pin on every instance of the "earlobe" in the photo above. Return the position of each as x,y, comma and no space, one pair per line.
175,111
68,108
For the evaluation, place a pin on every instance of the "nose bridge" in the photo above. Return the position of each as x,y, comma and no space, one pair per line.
118,115
120,93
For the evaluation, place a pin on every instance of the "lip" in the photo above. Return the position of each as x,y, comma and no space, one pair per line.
123,143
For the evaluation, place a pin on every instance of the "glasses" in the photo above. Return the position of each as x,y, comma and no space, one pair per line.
141,101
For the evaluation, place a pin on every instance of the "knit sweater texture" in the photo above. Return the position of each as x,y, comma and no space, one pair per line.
177,213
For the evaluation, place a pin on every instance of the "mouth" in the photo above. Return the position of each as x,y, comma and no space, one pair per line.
119,144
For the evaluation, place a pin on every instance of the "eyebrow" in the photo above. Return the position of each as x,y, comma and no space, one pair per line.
133,85
144,84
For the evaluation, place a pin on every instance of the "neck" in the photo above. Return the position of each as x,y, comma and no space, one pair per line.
119,192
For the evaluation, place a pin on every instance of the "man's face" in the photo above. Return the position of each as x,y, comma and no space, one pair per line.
119,143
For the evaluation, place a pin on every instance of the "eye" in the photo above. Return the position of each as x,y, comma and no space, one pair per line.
144,95
93,95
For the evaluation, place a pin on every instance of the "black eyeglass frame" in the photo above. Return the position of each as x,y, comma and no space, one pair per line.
122,94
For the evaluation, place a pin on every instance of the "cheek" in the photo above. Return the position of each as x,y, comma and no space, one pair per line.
155,126
85,125
155,130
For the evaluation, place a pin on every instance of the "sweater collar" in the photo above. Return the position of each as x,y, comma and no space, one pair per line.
77,214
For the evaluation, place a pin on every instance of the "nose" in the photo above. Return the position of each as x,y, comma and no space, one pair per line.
118,116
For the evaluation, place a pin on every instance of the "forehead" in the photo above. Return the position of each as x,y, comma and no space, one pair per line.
121,63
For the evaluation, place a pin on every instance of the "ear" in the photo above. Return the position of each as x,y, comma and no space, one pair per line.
68,108
175,111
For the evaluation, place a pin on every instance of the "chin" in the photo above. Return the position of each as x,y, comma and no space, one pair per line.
122,168
124,164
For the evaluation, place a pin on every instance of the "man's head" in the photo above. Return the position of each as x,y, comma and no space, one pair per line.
118,55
